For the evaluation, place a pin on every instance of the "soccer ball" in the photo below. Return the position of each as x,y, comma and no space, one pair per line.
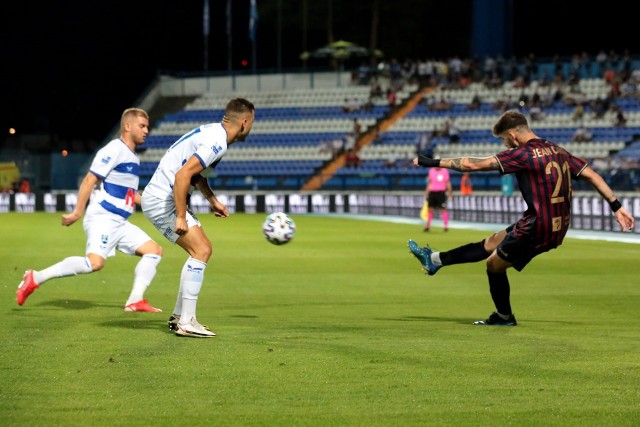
279,228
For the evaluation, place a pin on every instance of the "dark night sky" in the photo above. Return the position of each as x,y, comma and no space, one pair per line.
70,69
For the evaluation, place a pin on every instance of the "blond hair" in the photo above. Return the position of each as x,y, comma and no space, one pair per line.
130,113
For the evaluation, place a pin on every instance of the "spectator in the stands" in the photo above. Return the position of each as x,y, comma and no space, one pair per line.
475,103
548,98
493,80
368,105
425,71
620,119
601,60
453,130
505,103
352,160
363,74
585,63
614,58
535,112
523,99
440,105
489,66
395,72
609,75
25,186
349,141
628,89
599,106
582,134
615,88
536,98
391,160
350,105
376,90
578,112
357,128
392,99
545,79
337,145
424,143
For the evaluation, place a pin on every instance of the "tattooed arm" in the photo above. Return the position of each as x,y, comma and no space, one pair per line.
462,164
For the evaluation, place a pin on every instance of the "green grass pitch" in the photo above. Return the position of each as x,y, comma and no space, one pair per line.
340,327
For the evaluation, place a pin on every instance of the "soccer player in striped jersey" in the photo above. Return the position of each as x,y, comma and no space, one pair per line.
115,166
186,165
544,172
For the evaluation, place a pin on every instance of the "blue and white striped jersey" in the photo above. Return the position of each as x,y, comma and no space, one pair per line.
118,168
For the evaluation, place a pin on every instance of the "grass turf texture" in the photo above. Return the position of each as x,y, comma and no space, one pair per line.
339,327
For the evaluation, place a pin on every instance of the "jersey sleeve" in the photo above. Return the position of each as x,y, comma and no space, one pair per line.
211,145
577,165
512,160
104,161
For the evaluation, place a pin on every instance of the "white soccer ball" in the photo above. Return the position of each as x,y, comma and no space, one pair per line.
279,228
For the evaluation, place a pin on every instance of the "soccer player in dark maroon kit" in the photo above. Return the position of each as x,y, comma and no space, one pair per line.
544,172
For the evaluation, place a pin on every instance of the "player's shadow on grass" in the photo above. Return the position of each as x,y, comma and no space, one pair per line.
466,321
70,304
137,323
431,319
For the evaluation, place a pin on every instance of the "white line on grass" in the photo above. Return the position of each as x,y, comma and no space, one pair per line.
611,236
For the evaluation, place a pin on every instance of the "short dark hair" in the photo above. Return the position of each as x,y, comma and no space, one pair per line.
509,120
238,106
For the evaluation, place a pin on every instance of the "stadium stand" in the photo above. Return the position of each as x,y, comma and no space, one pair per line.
295,133
299,136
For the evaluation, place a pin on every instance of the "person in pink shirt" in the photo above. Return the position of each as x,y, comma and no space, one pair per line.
436,193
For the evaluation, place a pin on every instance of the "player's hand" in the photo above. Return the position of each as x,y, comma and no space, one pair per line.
70,218
219,209
181,227
625,219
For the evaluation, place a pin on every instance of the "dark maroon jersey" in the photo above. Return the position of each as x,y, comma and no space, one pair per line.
544,172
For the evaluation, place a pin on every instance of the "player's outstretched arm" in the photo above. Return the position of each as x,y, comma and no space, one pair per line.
462,164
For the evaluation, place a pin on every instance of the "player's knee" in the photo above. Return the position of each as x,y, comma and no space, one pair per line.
490,267
203,252
487,245
495,264
95,261
97,264
157,250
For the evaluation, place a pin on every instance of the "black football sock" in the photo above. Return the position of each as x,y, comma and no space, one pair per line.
500,291
472,252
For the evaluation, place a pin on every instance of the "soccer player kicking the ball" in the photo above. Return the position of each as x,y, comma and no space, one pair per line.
106,222
544,172
187,163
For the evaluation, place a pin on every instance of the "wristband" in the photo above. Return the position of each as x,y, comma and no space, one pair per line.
428,162
615,205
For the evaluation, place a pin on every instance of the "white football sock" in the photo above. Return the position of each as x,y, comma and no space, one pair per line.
435,258
191,282
71,266
144,273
